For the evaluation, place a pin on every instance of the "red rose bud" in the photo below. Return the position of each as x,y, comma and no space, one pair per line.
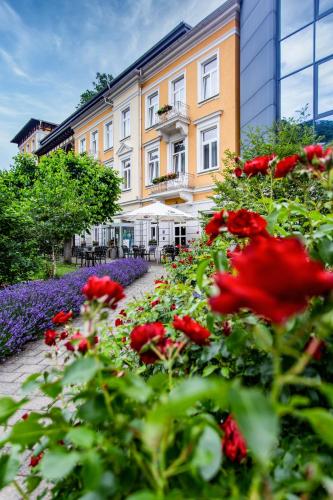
286,165
50,337
123,313
258,165
143,334
214,226
83,346
34,460
63,335
69,346
118,322
62,317
275,279
97,288
226,328
238,172
172,307
173,266
197,333
155,302
246,224
233,443
313,151
25,416
315,348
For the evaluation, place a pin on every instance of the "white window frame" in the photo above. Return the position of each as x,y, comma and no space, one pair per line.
92,135
128,185
148,96
109,163
202,126
108,135
176,77
82,141
123,134
152,147
201,64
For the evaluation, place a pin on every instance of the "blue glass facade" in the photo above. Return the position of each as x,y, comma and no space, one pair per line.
287,62
305,49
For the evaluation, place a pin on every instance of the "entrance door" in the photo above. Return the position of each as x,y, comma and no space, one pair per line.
128,236
180,235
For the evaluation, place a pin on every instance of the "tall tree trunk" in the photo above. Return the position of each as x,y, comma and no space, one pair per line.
68,251
53,263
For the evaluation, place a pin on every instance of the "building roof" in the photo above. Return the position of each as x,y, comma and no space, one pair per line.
64,129
31,124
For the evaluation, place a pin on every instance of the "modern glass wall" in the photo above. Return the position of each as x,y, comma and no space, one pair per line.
306,62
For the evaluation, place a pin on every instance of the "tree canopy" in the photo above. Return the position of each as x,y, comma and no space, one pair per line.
101,82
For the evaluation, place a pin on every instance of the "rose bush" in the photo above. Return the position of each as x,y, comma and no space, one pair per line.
218,384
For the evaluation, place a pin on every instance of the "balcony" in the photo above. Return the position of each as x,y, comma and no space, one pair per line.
179,187
174,121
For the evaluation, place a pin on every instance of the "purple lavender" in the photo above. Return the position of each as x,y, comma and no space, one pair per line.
26,308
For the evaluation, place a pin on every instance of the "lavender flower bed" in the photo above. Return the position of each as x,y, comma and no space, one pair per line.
26,309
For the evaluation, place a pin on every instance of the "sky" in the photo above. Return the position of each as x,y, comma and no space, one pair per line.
50,51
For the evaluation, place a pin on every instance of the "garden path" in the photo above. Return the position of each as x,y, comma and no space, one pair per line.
34,360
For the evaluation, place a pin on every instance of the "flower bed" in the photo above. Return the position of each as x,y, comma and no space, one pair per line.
26,309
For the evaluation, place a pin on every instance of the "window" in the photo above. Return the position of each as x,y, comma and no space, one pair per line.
126,171
297,51
180,235
209,78
125,123
325,85
178,92
209,148
33,145
94,143
296,93
153,158
178,157
153,232
109,163
28,148
151,107
325,5
324,37
108,136
83,145
295,14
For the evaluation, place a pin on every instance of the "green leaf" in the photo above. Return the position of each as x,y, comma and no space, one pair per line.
9,467
56,465
81,436
257,421
220,261
208,453
81,371
321,421
143,495
8,407
201,272
262,337
26,432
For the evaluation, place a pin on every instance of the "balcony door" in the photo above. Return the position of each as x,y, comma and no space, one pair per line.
180,234
178,157
178,92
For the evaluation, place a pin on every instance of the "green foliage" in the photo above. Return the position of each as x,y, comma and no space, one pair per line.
102,80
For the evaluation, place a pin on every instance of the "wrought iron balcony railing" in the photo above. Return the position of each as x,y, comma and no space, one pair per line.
178,110
180,182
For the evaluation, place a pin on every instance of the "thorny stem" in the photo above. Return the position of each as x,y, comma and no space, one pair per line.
20,490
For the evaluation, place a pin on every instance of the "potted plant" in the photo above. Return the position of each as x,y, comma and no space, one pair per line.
164,109
152,243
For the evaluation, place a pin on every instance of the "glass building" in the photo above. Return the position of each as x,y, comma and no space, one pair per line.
287,62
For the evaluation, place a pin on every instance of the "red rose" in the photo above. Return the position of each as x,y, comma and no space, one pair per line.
62,317
275,279
173,266
69,346
244,223
258,165
63,335
315,348
83,345
233,443
172,307
50,337
314,150
97,288
160,282
155,302
214,226
285,166
34,460
238,172
197,333
118,322
143,334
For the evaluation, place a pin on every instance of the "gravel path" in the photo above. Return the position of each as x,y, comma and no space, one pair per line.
34,360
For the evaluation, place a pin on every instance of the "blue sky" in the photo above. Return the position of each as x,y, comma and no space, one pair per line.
50,51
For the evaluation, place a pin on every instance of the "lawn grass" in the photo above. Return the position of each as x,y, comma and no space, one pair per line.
62,269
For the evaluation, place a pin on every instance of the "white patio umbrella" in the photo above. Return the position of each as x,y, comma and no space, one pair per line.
158,212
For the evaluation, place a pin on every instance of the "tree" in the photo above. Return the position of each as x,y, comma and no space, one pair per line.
64,194
101,82
18,245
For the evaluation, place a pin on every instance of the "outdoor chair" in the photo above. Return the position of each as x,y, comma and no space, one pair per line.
100,254
136,251
151,252
126,251
79,255
168,252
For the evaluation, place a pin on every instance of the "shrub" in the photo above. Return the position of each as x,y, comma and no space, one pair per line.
26,309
